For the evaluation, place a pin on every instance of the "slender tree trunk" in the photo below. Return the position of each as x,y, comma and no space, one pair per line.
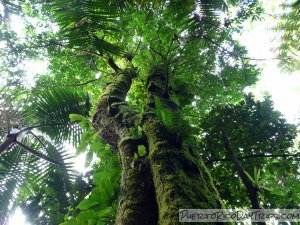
252,190
170,177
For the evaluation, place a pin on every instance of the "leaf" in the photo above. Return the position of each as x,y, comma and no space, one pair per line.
140,130
81,21
256,175
142,150
250,178
76,117
87,203
51,108
85,124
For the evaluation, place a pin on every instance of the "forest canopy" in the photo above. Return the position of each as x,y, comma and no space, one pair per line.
153,94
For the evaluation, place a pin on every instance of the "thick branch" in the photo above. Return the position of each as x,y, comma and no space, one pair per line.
256,156
12,138
7,144
179,177
113,65
40,141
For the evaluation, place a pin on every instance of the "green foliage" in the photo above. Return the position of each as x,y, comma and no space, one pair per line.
82,23
207,71
255,129
288,29
23,171
142,150
101,204
51,204
19,169
172,119
50,109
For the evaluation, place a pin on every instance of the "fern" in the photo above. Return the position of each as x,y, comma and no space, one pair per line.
82,21
51,108
172,119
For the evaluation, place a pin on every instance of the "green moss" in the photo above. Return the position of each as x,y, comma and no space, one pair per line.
180,179
137,203
170,173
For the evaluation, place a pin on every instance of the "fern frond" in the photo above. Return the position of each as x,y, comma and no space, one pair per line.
211,8
18,167
81,22
52,107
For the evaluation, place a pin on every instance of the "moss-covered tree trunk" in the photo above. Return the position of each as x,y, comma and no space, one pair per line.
113,120
170,177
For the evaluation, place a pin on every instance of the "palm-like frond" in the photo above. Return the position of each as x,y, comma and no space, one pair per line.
212,8
51,108
10,172
48,112
18,167
83,21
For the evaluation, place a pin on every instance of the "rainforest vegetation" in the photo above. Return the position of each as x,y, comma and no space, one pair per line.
152,93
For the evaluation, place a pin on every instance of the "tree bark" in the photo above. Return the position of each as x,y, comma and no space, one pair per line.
114,120
252,190
180,178
170,177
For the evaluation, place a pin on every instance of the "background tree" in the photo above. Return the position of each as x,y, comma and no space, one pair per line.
262,142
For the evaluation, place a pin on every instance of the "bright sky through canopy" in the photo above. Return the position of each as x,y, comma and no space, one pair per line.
259,38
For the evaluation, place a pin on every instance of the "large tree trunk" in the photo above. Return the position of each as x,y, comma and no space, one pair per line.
114,120
170,177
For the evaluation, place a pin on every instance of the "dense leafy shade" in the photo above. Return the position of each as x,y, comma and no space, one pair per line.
84,22
189,74
257,134
101,204
20,169
57,197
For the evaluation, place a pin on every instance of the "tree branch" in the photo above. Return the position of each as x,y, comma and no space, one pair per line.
7,144
82,84
40,141
113,65
256,156
11,139
38,154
